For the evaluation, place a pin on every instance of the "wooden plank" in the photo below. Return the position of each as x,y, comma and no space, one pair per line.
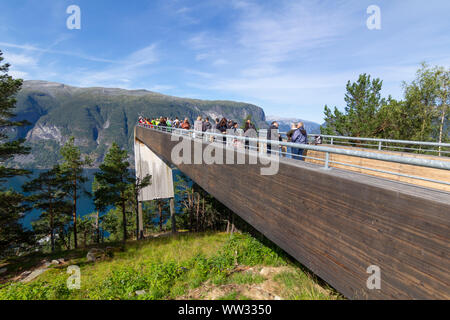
429,173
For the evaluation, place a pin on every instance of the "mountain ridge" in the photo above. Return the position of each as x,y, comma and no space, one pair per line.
285,124
98,116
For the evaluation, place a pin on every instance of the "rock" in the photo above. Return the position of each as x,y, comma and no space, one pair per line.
33,275
61,260
95,254
55,262
25,274
45,263
3,270
265,272
96,251
90,257
140,292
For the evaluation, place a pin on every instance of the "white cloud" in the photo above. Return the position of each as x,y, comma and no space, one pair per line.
28,47
20,60
133,66
277,35
18,74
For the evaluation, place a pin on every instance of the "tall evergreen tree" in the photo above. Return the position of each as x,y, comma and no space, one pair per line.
73,168
11,203
363,100
134,191
49,196
114,180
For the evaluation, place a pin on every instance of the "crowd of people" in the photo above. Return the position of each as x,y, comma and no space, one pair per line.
297,134
223,125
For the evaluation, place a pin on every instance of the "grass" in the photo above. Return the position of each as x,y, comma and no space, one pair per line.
164,268
234,296
298,285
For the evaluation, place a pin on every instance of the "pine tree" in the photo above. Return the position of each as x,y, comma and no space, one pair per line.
49,196
11,203
114,179
363,100
73,169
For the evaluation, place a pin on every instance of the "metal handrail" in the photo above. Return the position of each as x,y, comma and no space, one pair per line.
430,163
423,143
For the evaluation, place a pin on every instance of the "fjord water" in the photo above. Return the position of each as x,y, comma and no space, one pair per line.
85,204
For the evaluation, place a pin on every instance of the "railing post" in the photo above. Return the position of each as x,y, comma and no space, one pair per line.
332,140
379,145
327,160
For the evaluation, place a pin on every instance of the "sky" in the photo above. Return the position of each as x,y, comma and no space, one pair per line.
289,57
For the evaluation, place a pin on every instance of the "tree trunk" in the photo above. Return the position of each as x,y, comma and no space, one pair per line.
52,232
141,221
74,214
202,227
233,228
138,225
68,240
97,227
197,212
172,216
441,127
191,211
124,215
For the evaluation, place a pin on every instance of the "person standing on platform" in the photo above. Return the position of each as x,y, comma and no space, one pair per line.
299,136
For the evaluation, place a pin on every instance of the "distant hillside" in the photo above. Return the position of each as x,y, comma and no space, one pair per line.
285,124
99,116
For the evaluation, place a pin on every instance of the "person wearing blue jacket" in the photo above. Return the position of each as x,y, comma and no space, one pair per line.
299,136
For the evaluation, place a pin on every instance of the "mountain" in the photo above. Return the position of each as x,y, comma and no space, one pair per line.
96,117
285,124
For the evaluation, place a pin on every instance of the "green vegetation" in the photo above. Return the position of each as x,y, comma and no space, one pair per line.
164,268
72,169
49,196
423,115
11,202
114,180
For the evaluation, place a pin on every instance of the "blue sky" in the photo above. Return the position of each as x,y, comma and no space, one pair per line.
289,57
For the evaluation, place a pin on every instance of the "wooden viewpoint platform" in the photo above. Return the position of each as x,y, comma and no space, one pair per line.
337,223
